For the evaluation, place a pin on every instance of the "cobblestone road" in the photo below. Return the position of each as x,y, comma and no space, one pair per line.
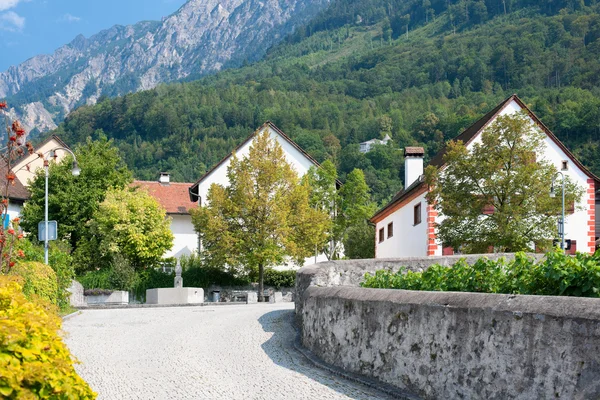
214,352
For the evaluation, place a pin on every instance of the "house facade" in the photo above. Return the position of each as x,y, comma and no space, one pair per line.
406,226
365,147
26,167
294,154
173,196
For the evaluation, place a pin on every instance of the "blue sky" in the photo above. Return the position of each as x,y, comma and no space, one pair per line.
31,27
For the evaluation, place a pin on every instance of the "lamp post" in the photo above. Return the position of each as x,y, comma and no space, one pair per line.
75,171
561,224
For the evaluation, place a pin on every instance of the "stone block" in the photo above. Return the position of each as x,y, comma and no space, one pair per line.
277,297
76,299
252,298
167,296
116,297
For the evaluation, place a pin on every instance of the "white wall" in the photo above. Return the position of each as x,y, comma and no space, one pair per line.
35,162
409,240
186,239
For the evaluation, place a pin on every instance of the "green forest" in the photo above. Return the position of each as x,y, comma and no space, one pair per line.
419,70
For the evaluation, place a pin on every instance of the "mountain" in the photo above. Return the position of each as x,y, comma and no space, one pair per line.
421,71
201,37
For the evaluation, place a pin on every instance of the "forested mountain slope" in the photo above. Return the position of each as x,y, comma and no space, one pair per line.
419,70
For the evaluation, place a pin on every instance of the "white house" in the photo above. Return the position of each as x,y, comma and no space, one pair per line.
405,227
26,167
299,159
365,147
175,199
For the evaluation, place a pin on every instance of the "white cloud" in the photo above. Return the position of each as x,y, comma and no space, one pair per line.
11,21
68,18
6,4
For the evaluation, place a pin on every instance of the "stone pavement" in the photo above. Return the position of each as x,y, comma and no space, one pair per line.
213,352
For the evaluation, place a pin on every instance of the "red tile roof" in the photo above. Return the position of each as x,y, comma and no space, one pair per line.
174,196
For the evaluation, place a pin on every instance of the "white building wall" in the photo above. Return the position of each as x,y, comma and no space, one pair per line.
186,239
36,163
409,240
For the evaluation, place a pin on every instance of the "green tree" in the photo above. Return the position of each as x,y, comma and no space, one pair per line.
324,197
73,200
263,218
128,223
497,193
356,208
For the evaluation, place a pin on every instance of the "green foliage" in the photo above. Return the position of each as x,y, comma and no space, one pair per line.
97,279
60,261
129,223
556,275
72,201
279,279
506,173
263,217
34,361
39,281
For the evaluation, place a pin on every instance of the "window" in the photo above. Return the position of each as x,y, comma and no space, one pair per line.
565,165
417,214
390,230
381,235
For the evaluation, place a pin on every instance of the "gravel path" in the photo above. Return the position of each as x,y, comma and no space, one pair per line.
214,352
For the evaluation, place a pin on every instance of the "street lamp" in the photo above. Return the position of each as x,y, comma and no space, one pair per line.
76,171
561,223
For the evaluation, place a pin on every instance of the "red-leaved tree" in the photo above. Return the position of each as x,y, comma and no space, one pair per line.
15,147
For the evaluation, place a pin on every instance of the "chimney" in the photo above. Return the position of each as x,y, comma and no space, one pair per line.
413,164
164,178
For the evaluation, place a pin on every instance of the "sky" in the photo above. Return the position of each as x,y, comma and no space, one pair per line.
32,27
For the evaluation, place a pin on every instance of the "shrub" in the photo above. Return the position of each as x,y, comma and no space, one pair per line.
60,260
39,281
557,274
99,279
34,361
279,279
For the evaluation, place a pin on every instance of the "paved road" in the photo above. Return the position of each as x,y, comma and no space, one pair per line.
215,352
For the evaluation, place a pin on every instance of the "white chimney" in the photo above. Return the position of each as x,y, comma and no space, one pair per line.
164,178
413,164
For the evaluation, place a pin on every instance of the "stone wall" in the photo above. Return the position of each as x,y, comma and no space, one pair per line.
459,345
440,345
352,272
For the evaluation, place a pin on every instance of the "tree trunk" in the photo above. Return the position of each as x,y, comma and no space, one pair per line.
261,285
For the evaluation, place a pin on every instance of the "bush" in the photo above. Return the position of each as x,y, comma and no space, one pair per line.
279,279
119,275
38,280
99,279
60,260
557,274
34,361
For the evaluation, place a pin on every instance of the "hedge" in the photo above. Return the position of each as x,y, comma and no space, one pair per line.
34,362
39,280
555,275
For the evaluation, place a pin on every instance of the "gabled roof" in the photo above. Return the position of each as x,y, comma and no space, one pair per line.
471,133
172,196
193,191
16,191
40,145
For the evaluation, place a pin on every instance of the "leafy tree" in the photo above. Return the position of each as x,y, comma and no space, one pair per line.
72,201
497,193
356,208
263,217
324,197
129,223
